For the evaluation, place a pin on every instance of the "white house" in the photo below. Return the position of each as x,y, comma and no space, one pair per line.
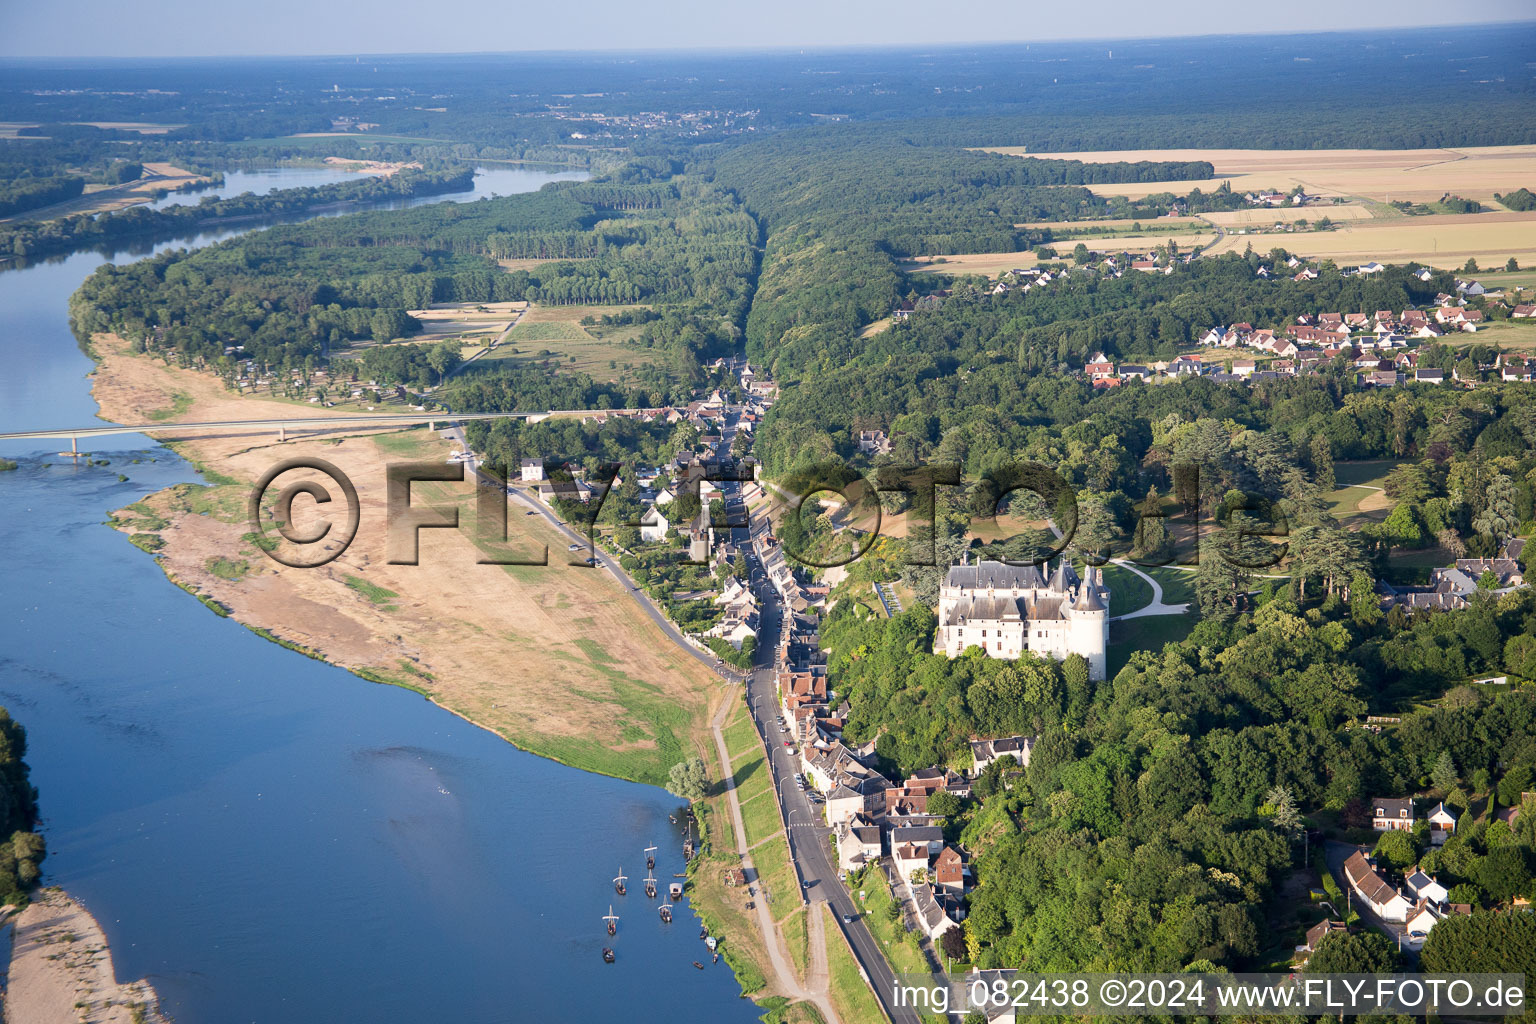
937,912
531,470
1426,888
1442,823
1384,900
857,844
1392,814
1420,919
653,526
984,752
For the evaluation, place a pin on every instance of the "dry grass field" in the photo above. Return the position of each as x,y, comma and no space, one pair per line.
558,658
1417,175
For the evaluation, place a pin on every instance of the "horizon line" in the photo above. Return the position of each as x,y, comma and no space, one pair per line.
781,49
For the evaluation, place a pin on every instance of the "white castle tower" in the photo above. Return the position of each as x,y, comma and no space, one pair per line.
1088,624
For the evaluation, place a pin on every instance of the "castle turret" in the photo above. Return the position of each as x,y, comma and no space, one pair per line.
1088,624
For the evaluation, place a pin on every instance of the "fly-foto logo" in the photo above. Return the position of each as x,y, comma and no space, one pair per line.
1245,530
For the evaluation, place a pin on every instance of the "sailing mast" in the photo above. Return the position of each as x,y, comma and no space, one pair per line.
618,884
650,858
650,886
613,921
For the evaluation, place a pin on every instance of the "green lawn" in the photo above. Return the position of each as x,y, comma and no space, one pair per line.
777,877
1148,634
1127,591
760,817
1365,471
741,736
1178,585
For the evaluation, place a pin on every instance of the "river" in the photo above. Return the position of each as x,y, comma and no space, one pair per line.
271,839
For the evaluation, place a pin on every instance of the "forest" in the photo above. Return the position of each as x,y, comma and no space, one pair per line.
1161,808
301,292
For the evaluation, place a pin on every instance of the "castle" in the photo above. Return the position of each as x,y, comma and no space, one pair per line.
1008,609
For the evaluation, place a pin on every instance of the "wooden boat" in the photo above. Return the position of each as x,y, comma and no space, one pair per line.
613,922
618,883
666,913
675,890
607,955
650,858
698,965
650,886
711,942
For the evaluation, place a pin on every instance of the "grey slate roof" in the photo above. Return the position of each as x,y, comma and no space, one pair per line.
996,575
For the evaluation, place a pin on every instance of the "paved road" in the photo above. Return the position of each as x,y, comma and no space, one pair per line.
808,843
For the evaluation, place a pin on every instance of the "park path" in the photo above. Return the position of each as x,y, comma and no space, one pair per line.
1157,607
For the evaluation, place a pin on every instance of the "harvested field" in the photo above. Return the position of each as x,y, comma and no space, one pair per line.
1416,175
1439,241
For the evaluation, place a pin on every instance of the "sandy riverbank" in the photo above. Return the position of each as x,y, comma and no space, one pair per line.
61,970
558,658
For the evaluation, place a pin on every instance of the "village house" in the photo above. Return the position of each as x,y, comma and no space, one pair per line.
1442,823
858,843
653,525
1425,887
950,871
873,442
1392,813
910,860
1318,932
1421,917
1099,367
984,752
937,912
1384,900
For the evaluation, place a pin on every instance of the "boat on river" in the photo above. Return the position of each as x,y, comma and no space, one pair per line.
666,913
613,921
618,883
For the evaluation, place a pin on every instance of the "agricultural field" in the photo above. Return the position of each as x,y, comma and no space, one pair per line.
1446,241
1507,335
555,336
1416,175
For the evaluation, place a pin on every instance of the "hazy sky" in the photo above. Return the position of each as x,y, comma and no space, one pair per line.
53,28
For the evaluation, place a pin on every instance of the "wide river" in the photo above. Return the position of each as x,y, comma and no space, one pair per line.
271,839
